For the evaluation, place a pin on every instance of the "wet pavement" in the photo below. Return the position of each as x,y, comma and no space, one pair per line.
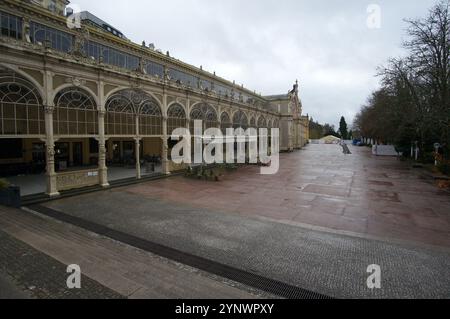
370,210
376,196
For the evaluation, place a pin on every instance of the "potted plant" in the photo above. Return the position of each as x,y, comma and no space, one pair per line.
9,194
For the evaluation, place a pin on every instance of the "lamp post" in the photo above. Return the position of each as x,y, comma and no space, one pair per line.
436,148
417,150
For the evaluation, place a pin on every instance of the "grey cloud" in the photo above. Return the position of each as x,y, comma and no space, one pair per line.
267,44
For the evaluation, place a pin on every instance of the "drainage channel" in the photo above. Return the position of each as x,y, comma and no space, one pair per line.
269,285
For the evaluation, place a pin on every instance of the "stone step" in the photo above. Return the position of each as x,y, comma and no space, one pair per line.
42,197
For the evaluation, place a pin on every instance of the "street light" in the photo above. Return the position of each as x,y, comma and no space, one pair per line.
417,150
436,148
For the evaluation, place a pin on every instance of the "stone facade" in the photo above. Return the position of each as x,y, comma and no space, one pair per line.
88,84
294,128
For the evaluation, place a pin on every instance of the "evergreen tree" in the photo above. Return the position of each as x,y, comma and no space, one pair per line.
343,128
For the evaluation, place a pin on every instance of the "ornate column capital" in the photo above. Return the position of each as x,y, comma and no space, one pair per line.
102,149
48,109
51,150
102,113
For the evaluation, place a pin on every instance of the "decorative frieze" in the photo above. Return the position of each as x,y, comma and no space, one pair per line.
76,81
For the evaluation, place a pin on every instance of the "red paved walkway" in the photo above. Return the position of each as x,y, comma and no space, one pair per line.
322,187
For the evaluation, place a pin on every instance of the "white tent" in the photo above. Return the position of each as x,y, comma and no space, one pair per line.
384,150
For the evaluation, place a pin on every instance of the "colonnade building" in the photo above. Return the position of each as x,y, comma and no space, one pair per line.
81,104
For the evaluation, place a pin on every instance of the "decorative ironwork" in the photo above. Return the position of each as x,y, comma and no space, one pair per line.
205,113
262,122
176,111
122,108
21,109
120,104
133,101
75,113
276,124
75,98
176,118
240,120
225,122
150,108
16,89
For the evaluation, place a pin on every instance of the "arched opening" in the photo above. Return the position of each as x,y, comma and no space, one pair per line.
133,127
22,128
21,107
75,124
206,113
225,122
150,118
176,118
262,122
75,113
276,124
240,120
120,116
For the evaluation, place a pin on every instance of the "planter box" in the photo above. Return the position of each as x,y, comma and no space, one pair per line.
10,196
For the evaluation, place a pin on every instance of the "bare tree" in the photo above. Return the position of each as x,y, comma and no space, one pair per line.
414,102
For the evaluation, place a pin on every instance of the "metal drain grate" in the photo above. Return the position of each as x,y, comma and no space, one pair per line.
272,286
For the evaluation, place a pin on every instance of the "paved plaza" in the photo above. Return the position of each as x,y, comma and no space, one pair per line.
318,224
320,186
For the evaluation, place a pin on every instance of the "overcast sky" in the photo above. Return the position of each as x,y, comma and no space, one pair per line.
267,44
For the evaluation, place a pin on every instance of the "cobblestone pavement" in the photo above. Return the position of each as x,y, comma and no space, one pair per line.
9,289
325,262
28,273
131,272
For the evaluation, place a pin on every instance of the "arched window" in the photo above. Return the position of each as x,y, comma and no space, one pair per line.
240,120
176,118
211,119
120,116
75,113
205,113
276,124
225,122
150,118
122,109
252,122
21,110
262,122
